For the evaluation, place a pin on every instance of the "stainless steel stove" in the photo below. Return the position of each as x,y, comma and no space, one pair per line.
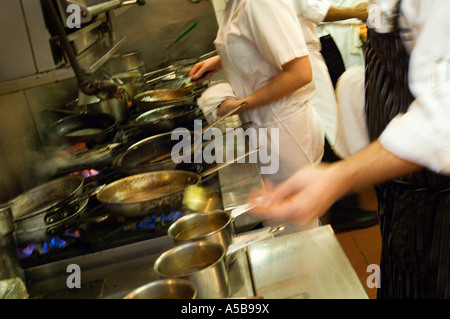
116,255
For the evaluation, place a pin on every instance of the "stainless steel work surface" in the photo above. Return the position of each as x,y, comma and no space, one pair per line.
303,265
112,274
237,181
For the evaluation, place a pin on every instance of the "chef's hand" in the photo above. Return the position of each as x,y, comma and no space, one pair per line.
361,11
204,70
300,200
228,105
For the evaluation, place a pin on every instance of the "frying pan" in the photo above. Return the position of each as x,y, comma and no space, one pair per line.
33,211
143,194
167,118
30,209
153,192
41,233
89,128
154,153
138,157
98,127
151,99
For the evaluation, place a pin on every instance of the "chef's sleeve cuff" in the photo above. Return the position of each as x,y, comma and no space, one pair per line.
405,139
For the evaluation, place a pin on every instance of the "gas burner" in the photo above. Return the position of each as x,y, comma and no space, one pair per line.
151,222
98,232
86,173
49,246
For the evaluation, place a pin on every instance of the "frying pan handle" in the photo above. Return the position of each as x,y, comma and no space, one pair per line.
59,212
253,238
220,119
220,166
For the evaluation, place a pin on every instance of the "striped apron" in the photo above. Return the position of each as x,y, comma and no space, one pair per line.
414,210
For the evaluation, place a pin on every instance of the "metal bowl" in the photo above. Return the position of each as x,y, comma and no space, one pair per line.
165,289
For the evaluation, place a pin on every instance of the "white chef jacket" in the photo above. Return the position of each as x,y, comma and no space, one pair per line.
310,13
422,134
352,134
254,41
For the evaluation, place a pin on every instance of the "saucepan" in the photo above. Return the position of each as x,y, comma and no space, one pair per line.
165,289
31,208
216,226
117,107
204,263
201,262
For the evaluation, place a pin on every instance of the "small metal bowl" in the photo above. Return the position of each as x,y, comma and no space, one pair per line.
165,289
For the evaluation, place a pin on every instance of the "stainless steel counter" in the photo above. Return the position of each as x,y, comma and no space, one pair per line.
237,181
303,265
114,273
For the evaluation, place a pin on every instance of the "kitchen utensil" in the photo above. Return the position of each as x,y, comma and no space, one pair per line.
153,192
205,263
166,51
151,99
201,262
33,211
154,153
31,207
75,214
216,226
196,81
125,62
165,289
90,128
206,128
167,118
116,107
202,198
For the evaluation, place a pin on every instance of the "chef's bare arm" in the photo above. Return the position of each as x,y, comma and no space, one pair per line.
343,13
293,76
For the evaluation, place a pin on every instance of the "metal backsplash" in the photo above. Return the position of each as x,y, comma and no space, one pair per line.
155,26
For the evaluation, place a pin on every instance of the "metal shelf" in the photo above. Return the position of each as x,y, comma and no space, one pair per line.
93,58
